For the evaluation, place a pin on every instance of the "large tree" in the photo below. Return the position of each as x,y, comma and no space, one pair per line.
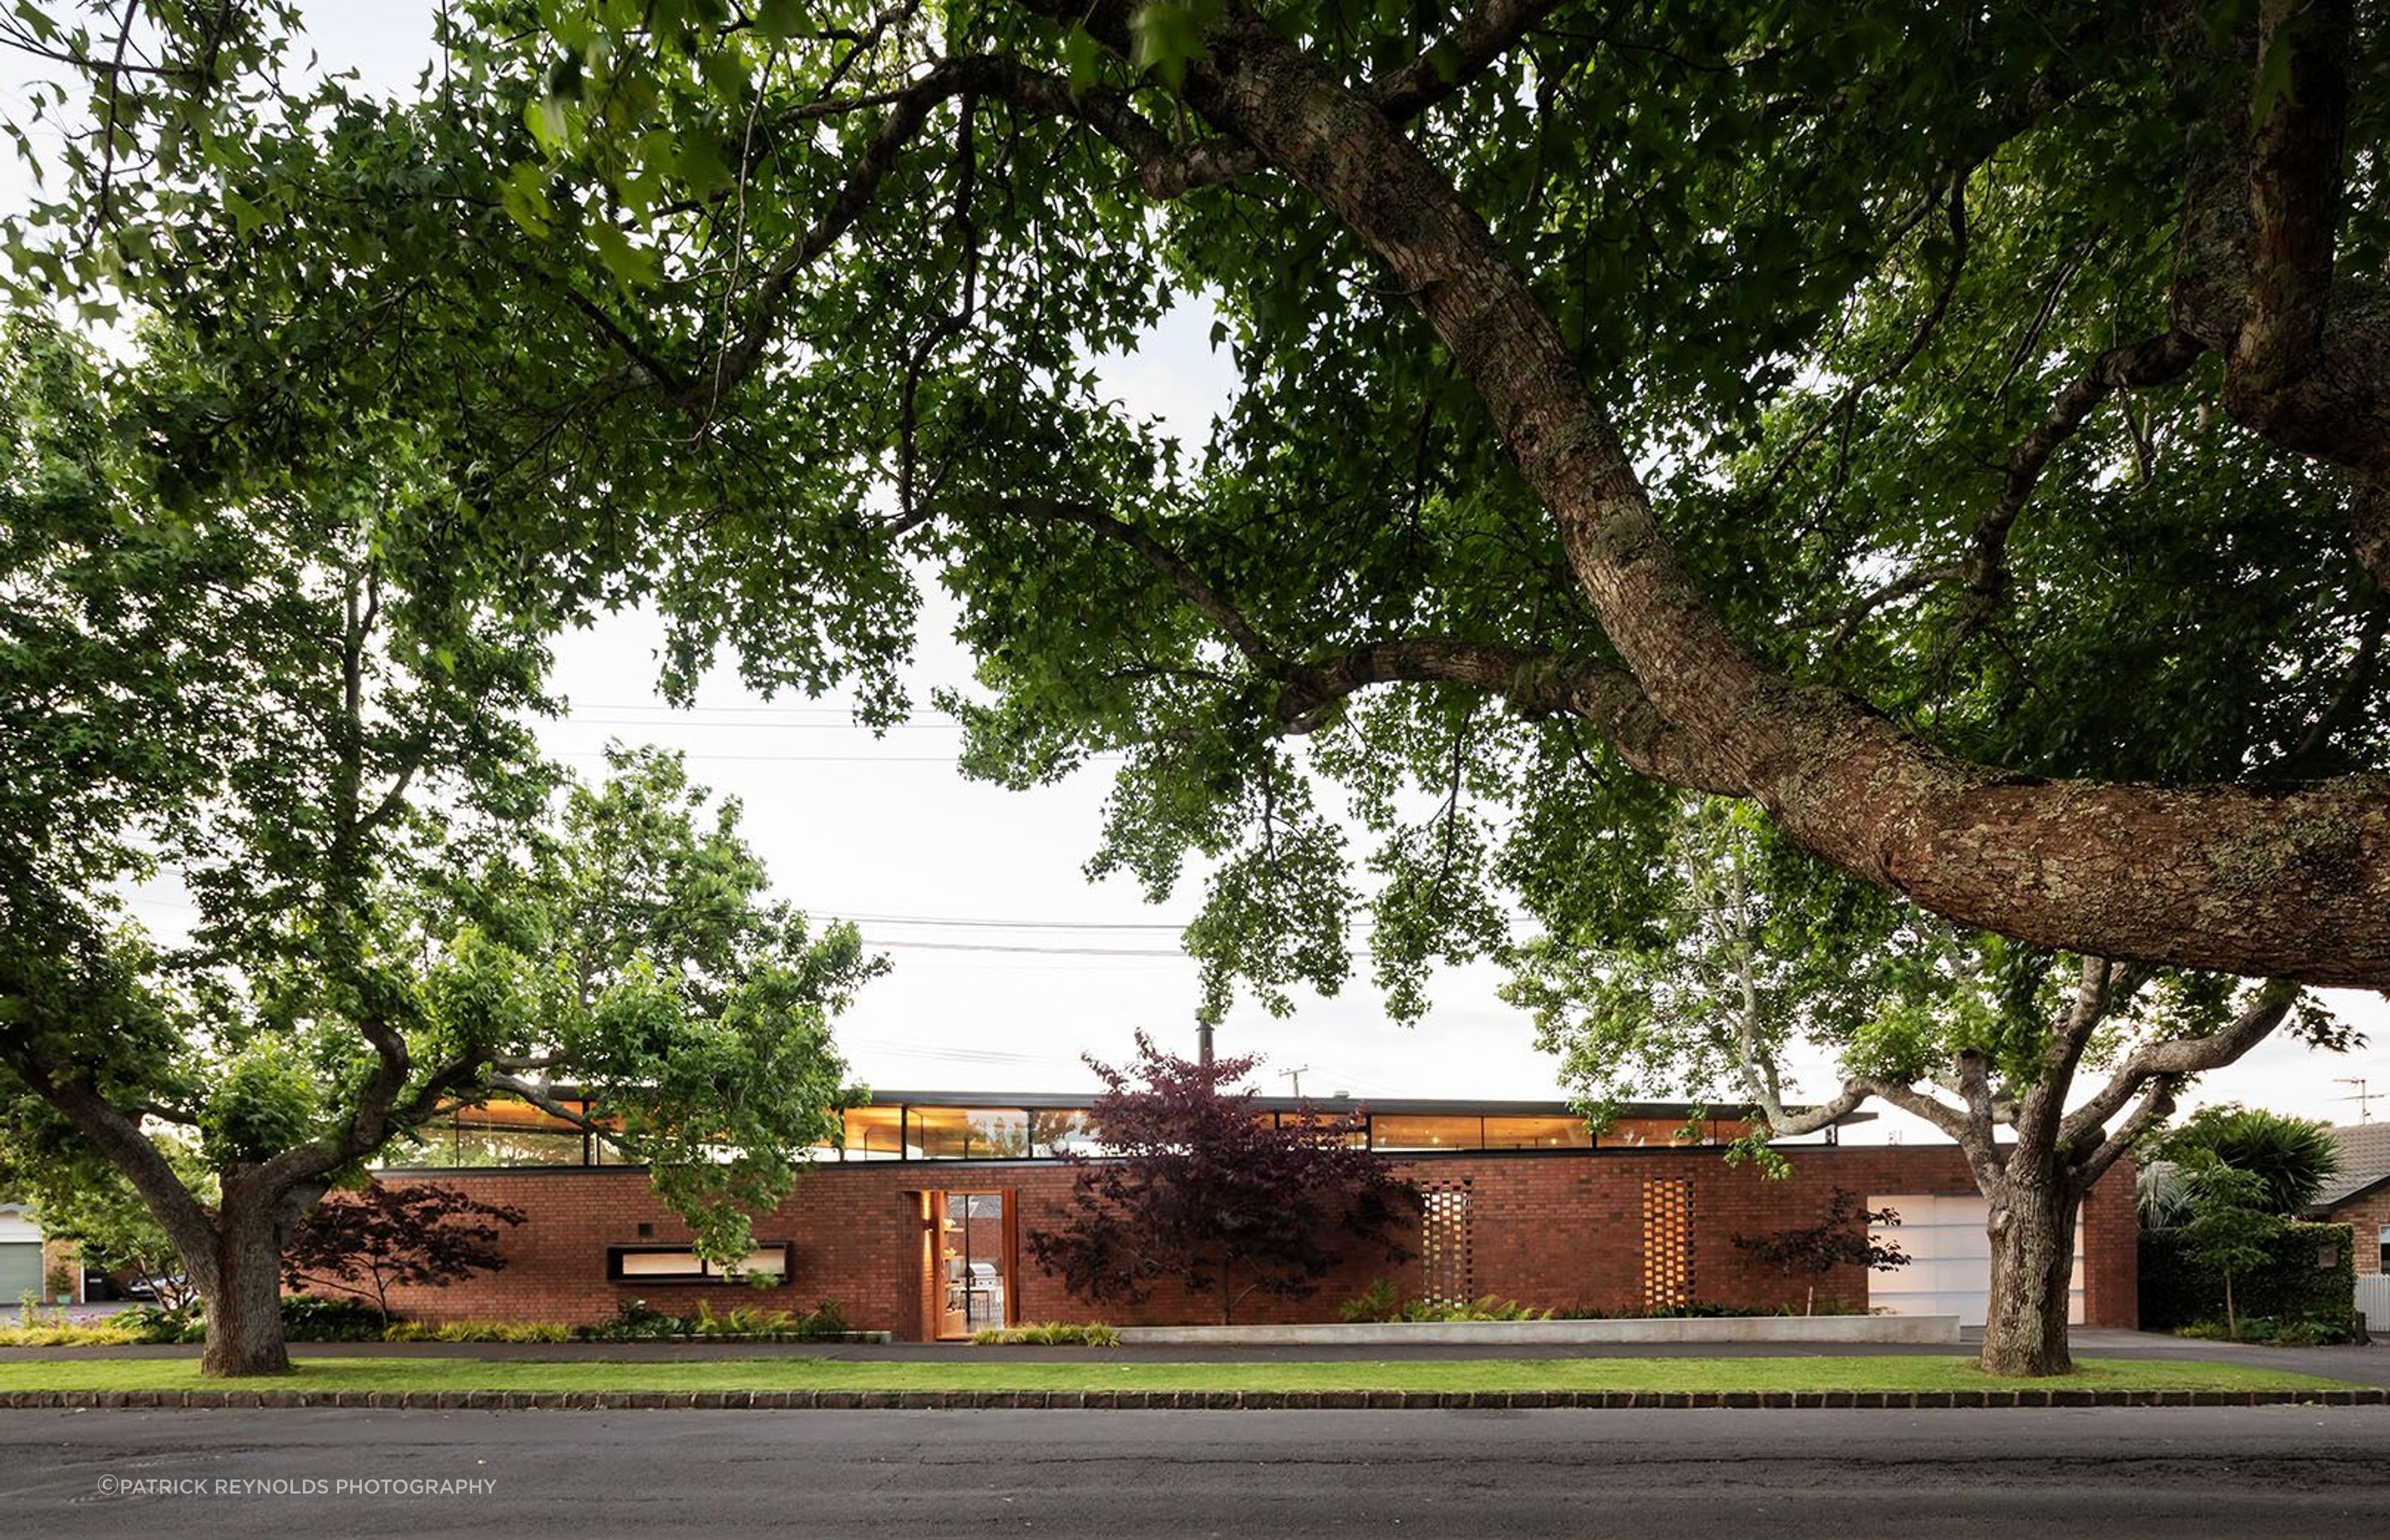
2008,287
2046,1069
1961,435
310,743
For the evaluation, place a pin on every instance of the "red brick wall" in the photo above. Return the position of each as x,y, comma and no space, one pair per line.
1552,1231
2366,1214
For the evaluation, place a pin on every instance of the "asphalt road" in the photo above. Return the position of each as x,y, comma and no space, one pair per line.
595,1476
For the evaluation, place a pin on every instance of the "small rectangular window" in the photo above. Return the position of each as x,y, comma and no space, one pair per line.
2381,1238
679,1264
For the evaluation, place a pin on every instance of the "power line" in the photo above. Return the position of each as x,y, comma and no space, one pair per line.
1042,951
659,709
674,720
979,924
820,759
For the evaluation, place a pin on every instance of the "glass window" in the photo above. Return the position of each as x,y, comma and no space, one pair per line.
1560,1133
495,1133
965,1133
872,1134
669,1264
2382,1238
1356,1140
1062,1131
1650,1131
1394,1131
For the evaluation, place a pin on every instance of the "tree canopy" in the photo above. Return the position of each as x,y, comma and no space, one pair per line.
1960,434
311,739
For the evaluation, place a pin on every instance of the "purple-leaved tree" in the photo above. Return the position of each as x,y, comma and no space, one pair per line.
367,1243
1194,1183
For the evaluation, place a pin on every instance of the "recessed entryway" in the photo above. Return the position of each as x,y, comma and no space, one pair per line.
972,1261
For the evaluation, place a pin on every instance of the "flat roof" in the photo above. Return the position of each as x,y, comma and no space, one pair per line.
1416,1106
1676,1111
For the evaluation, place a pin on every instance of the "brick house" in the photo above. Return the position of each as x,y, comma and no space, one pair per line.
2359,1194
915,1224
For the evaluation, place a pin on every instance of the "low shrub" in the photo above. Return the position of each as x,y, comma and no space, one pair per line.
1702,1310
479,1331
314,1318
1050,1334
69,1334
2299,1331
159,1323
635,1321
1380,1302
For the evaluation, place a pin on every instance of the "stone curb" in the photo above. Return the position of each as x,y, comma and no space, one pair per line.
1134,1401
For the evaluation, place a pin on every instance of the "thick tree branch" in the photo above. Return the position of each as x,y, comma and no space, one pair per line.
117,1135
1476,41
2156,1104
2369,521
2307,349
537,1096
2180,1057
1536,683
2272,880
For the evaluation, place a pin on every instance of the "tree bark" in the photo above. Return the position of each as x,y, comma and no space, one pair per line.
2031,1224
244,1300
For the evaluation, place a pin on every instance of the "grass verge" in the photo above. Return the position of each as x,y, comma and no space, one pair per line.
1724,1375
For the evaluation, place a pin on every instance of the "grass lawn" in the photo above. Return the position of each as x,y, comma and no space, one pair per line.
1890,1373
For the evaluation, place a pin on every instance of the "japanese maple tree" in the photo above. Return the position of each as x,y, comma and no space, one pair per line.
1194,1183
369,1242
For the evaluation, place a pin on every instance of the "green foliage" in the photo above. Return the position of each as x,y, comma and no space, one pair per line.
1050,1334
478,1331
2180,1289
765,324
1381,1302
2290,1158
634,1320
2230,1228
597,218
312,1319
85,1199
64,1334
257,684
305,1318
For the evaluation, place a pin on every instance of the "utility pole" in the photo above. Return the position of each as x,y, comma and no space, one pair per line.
2364,1098
1295,1075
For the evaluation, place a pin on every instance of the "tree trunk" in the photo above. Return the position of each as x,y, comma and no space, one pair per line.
2032,1231
244,1301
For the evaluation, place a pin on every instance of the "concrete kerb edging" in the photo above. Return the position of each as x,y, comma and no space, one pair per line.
1134,1401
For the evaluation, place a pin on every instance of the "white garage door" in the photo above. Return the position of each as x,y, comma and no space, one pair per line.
21,1271
1950,1260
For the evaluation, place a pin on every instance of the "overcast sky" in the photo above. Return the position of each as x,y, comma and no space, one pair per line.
1009,962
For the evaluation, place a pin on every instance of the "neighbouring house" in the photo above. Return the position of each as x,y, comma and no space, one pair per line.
915,1222
29,1265
2359,1194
